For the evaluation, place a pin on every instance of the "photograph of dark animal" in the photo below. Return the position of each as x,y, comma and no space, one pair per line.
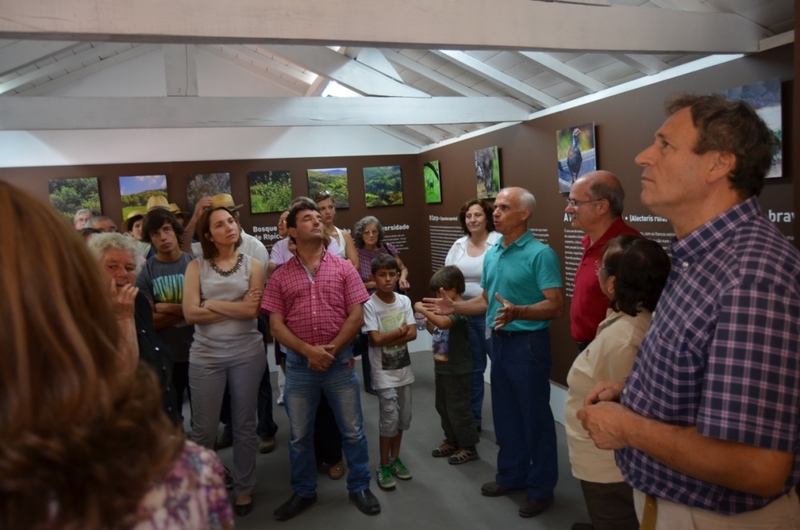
487,172
575,147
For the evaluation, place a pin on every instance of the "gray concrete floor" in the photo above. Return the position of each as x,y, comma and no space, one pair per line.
438,496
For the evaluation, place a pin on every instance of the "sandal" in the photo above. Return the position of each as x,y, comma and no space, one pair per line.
465,454
445,449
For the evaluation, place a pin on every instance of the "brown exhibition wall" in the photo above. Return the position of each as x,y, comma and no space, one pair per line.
624,126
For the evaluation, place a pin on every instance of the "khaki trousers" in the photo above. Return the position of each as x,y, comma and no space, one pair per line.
781,514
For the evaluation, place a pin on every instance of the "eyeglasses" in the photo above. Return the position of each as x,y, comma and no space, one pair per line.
370,232
281,221
598,265
575,203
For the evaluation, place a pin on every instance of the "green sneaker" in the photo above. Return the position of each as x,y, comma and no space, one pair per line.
399,469
385,479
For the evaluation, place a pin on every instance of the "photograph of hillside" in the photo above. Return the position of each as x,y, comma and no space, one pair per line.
136,190
383,186
333,180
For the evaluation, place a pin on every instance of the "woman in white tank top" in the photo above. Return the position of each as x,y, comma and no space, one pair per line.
327,208
467,254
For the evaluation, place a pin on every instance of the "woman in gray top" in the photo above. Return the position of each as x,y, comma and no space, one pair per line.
222,293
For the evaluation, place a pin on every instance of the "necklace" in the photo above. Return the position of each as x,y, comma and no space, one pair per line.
231,270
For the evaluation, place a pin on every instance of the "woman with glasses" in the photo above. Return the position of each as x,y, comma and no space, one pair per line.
631,274
370,243
327,209
467,254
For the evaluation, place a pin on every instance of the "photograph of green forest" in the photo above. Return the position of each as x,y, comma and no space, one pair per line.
270,191
383,186
333,180
70,195
136,190
433,182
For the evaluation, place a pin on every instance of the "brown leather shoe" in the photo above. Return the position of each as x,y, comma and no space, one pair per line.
336,471
533,507
493,489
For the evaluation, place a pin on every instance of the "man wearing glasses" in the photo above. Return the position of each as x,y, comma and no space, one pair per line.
595,207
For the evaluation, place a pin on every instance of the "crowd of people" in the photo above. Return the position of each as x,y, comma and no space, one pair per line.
683,408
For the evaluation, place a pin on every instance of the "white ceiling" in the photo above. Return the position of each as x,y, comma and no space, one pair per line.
426,71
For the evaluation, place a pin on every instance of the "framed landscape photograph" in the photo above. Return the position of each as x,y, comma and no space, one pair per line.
270,191
333,180
202,184
575,154
433,182
383,186
765,97
487,172
136,190
73,194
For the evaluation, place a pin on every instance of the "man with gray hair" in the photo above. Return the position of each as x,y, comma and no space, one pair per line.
595,207
521,295
102,223
81,216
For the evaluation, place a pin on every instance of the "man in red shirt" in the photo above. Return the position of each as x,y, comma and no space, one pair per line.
315,306
595,204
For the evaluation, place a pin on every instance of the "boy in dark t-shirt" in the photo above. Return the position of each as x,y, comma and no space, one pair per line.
452,377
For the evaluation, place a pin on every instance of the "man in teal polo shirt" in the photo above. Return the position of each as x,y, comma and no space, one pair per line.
521,294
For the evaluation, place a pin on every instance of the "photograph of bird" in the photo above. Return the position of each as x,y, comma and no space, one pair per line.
574,158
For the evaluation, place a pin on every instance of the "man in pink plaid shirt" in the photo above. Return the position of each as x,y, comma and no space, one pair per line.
315,310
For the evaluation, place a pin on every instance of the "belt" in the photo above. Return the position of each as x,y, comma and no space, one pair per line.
649,513
509,334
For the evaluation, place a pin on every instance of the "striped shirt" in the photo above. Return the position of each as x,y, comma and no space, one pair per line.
722,354
314,308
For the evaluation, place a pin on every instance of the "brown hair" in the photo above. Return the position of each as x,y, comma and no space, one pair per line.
81,444
731,126
487,211
210,250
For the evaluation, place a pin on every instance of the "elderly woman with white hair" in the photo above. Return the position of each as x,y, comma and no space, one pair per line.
116,255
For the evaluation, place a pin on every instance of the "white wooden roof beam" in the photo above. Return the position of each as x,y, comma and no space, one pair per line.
180,67
22,53
268,62
565,72
80,73
416,142
260,69
430,73
453,24
55,113
345,71
64,64
498,78
646,64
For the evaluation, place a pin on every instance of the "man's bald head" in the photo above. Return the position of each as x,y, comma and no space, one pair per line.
605,185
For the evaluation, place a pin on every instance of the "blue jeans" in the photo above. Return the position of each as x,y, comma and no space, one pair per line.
523,421
301,396
479,346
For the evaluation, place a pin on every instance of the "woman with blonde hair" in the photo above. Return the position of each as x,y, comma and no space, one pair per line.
83,444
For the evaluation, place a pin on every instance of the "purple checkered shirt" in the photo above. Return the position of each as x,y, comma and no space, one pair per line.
722,354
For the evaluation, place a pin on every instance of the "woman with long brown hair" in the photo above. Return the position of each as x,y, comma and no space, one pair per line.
83,443
221,297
